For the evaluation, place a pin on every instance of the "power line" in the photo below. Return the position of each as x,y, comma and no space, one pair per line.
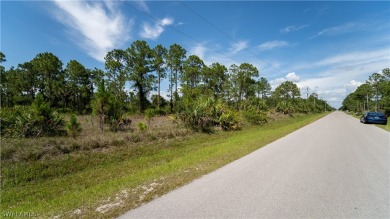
227,35
177,30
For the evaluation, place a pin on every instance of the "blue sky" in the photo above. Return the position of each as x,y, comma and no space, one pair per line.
330,47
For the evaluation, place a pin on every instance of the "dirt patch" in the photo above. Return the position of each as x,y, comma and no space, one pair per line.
137,195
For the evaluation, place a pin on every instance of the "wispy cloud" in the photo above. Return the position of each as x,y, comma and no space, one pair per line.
293,28
153,31
97,27
273,44
141,4
337,76
337,30
199,50
307,10
210,53
238,47
356,61
355,58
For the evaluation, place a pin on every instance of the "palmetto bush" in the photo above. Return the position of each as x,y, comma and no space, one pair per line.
255,116
204,112
35,121
196,114
285,107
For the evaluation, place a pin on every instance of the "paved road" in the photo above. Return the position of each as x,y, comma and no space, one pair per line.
333,168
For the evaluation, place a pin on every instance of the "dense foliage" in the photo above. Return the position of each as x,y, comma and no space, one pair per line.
374,95
36,120
201,96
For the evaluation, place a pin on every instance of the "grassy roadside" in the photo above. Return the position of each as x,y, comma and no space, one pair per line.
385,127
126,177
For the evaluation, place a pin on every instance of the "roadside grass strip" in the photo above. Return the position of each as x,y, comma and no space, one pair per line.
114,186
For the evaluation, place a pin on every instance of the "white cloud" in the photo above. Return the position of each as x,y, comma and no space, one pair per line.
167,21
337,30
292,77
292,28
150,31
209,55
352,85
339,75
272,45
355,58
142,5
276,82
238,46
198,50
97,27
344,67
333,88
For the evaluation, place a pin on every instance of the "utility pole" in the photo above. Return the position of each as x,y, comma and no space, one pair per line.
314,98
307,92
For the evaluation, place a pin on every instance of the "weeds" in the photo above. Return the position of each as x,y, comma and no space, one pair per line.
57,176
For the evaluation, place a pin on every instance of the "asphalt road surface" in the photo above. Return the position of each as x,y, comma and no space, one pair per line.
335,167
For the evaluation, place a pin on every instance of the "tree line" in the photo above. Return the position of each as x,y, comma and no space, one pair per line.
373,95
199,94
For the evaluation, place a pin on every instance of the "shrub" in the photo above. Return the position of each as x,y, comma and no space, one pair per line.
226,118
285,107
229,121
35,121
255,117
205,112
198,114
73,127
7,119
149,114
142,126
256,103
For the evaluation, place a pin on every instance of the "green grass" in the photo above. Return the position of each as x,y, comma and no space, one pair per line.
385,127
127,176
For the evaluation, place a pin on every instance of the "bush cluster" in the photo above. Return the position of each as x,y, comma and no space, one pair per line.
285,107
204,113
35,121
255,117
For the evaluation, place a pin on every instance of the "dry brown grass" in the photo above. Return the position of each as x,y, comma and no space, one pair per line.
91,138
276,116
160,128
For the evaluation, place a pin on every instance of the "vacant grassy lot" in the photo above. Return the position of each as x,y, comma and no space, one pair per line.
109,179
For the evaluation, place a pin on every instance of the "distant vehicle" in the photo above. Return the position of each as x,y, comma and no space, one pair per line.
374,117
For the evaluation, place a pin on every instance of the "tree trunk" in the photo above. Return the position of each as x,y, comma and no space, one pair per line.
141,95
158,97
